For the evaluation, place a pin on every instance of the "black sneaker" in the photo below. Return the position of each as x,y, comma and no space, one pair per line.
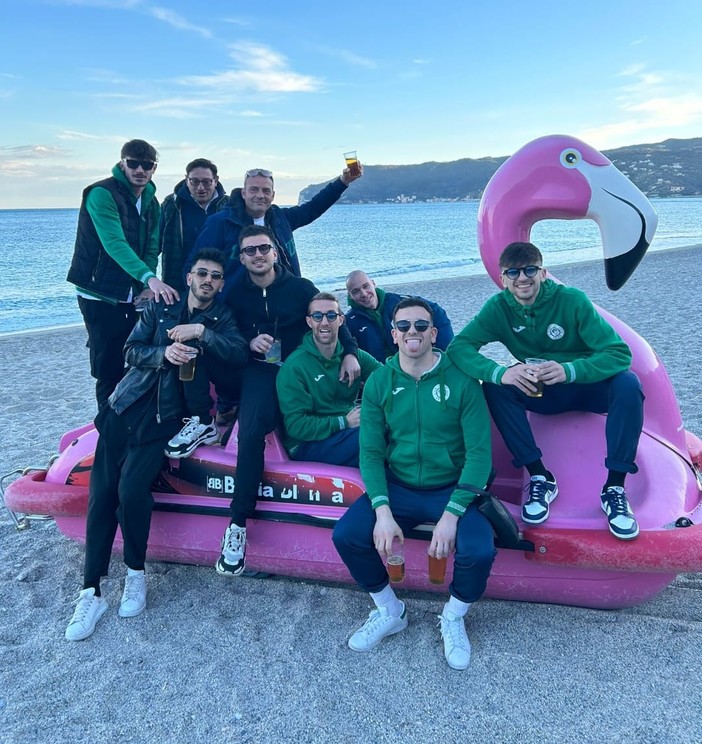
541,493
232,562
190,437
622,522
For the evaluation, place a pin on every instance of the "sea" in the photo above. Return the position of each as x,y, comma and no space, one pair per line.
394,243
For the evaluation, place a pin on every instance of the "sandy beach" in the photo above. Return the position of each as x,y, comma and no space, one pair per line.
265,660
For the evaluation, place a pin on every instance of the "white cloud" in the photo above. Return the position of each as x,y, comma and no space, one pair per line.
177,21
348,56
33,151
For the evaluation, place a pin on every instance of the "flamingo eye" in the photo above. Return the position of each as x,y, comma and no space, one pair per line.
570,158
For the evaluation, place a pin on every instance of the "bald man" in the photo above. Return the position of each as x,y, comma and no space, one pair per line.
370,316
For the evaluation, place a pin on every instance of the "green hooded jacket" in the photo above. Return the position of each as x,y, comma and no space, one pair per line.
430,432
562,326
313,401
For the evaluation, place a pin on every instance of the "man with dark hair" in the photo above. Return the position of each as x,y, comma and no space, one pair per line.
370,316
114,260
321,417
253,205
424,430
583,366
143,412
183,214
270,306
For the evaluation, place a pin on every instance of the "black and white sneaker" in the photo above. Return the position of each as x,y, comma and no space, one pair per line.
541,493
233,559
190,437
622,522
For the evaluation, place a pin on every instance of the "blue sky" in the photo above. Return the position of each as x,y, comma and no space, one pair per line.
291,85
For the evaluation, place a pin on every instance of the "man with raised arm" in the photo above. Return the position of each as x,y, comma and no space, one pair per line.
143,412
321,415
183,213
425,431
370,316
114,260
579,360
270,306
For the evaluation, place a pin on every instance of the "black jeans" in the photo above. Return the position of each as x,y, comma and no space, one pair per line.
108,328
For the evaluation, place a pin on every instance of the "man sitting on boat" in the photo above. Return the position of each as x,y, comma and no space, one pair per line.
571,360
370,316
142,414
424,429
270,305
322,415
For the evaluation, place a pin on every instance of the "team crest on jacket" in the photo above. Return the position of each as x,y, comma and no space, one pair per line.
436,392
555,331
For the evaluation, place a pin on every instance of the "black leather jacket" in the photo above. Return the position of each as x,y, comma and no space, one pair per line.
145,352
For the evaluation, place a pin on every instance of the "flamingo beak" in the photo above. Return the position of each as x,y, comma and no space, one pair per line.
626,218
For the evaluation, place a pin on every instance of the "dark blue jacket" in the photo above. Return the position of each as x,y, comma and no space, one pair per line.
182,219
222,230
378,342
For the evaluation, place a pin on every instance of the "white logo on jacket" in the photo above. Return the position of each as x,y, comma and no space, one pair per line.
555,331
318,378
397,390
436,392
518,329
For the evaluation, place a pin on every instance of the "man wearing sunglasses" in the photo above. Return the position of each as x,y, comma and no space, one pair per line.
424,430
114,260
321,415
370,316
253,205
586,368
144,411
183,214
270,305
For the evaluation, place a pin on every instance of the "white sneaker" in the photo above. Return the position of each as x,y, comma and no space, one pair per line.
456,643
379,625
233,559
89,610
190,437
134,596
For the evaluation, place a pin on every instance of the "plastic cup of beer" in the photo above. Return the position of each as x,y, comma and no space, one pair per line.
396,562
437,569
274,354
352,163
186,372
534,362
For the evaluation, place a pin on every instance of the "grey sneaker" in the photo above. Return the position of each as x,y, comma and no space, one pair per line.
622,522
232,562
379,625
134,596
456,643
190,437
541,493
89,609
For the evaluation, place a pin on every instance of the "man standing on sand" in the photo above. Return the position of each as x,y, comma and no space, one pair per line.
114,260
424,430
253,205
370,316
321,415
143,412
586,368
270,307
183,213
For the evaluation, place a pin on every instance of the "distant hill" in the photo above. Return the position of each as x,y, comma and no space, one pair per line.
670,168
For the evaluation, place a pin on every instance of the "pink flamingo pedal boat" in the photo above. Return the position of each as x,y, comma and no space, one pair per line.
572,559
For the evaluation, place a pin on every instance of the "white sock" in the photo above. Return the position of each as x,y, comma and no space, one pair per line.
386,598
134,572
455,607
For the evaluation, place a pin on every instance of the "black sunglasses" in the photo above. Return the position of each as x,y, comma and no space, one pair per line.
216,275
263,249
529,272
421,326
317,317
147,165
259,172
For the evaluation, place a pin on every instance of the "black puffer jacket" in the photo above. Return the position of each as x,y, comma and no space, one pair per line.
145,352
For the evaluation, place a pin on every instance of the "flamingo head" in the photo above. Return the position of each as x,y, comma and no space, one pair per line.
561,177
